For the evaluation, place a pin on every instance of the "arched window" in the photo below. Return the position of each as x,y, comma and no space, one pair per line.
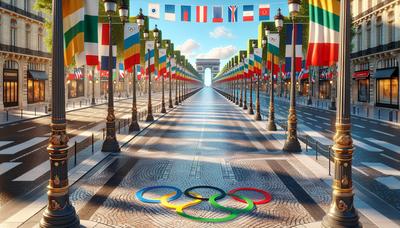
10,83
40,39
368,34
379,31
28,36
391,27
13,32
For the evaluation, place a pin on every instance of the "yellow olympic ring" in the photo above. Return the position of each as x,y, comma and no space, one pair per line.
165,203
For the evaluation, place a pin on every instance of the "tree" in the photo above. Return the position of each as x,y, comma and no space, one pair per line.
45,6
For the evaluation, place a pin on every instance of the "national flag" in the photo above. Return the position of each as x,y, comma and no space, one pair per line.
121,71
251,65
90,56
169,14
263,12
104,46
139,72
162,61
154,10
299,47
248,13
173,67
149,55
78,73
217,14
74,27
201,14
131,45
323,47
186,13
273,51
232,13
258,60
246,68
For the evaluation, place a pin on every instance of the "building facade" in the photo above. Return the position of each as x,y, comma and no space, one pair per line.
376,53
25,63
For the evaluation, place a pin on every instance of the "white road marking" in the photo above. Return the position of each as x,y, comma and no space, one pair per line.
35,173
381,132
390,182
3,143
361,171
326,124
382,168
315,135
385,144
27,129
22,146
320,117
366,146
389,157
359,126
311,119
7,166
374,122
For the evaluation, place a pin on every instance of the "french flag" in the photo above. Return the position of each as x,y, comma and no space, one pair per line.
104,47
248,13
201,14
299,47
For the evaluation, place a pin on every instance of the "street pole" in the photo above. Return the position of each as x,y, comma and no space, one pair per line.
237,90
149,117
342,212
134,126
59,211
292,143
310,88
110,143
176,91
163,110
241,91
333,89
170,87
93,82
258,111
251,111
245,94
271,116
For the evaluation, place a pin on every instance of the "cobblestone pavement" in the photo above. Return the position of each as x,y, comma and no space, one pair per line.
206,141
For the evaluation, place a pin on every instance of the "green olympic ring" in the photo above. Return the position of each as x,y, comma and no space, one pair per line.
234,213
250,204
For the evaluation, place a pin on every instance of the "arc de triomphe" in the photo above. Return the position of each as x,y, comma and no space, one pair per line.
203,64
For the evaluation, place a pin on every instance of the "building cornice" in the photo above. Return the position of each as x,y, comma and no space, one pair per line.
20,13
375,11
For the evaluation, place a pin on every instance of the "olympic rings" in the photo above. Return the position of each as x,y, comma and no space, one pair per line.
179,208
267,196
187,192
139,194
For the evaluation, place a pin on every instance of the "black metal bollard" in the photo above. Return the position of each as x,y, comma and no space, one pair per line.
316,150
75,153
103,133
7,115
22,113
35,111
92,143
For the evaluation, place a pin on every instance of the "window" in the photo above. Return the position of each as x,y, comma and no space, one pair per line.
368,35
27,5
10,83
324,89
13,33
40,39
391,27
388,91
76,88
359,39
1,29
27,36
36,91
379,31
363,90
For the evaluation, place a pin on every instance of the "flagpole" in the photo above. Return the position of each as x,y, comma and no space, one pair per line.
93,82
134,126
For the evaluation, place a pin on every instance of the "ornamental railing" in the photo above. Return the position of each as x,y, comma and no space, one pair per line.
21,11
377,49
24,51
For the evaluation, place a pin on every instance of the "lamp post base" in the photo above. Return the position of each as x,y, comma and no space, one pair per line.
134,126
110,145
341,220
170,104
309,101
149,118
163,110
271,126
251,111
257,117
240,104
245,106
292,145
93,101
65,217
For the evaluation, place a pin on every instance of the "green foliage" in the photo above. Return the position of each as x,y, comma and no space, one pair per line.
45,6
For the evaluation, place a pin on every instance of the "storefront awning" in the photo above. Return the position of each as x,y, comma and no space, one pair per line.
37,75
386,73
361,74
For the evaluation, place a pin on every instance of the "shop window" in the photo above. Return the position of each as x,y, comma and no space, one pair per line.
76,88
363,90
36,91
324,89
10,83
388,92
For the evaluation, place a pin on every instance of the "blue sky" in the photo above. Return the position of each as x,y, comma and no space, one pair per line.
202,40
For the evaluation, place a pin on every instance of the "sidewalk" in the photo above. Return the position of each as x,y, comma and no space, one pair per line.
206,141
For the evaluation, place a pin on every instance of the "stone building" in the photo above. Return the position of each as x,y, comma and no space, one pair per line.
25,63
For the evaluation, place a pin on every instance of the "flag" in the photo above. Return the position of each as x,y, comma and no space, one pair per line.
90,55
232,13
103,47
131,45
154,10
263,12
173,67
324,32
74,27
149,54
299,48
246,68
258,60
248,13
273,50
162,61
186,13
217,14
201,13
170,13
251,65
139,72
121,71
78,73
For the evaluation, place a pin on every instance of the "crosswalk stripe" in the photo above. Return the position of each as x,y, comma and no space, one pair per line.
383,133
22,146
7,166
26,129
380,167
359,126
35,173
3,143
385,144
366,146
390,182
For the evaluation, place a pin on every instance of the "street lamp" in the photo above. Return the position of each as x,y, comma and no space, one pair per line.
163,110
169,78
292,142
110,143
251,111
241,82
245,86
59,211
150,117
342,212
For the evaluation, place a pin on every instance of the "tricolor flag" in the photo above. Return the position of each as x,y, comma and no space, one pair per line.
169,14
121,71
258,60
162,61
90,56
74,27
173,67
248,13
251,65
154,10
149,55
103,47
273,51
201,13
78,73
299,48
323,47
186,13
217,14
131,45
263,12
246,68
232,13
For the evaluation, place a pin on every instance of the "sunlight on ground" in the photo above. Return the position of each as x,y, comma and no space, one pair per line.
207,77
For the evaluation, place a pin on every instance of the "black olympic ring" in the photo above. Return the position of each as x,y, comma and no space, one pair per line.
221,196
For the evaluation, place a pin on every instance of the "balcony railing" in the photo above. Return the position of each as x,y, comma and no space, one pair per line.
370,10
24,51
378,49
21,11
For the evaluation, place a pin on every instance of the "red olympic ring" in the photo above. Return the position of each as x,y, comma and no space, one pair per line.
267,196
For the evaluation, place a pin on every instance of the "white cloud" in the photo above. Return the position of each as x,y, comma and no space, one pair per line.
221,32
219,53
188,47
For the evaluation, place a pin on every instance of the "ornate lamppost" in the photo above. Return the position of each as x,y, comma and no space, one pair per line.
292,142
59,211
251,111
241,83
110,143
123,15
245,86
169,78
258,110
176,86
134,126
150,117
342,212
163,110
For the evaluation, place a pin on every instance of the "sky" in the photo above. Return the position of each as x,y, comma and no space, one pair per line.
208,40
